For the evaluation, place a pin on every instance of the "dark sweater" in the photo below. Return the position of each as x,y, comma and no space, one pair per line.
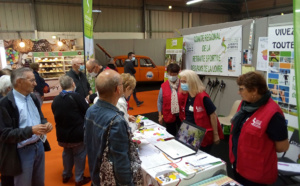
128,67
40,83
82,85
69,116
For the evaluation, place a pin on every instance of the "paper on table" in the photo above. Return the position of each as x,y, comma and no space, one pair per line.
154,160
148,122
290,167
147,150
203,159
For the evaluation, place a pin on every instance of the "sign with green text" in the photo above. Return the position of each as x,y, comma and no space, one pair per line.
216,52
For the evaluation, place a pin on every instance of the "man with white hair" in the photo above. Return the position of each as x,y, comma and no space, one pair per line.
76,73
22,130
5,85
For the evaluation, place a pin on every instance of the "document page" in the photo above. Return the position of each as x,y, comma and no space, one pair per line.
174,149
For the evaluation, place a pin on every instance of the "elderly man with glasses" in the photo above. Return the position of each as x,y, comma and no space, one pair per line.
22,133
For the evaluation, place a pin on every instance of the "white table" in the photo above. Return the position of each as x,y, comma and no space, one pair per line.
155,163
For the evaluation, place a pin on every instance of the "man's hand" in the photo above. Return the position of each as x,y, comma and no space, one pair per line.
49,127
39,129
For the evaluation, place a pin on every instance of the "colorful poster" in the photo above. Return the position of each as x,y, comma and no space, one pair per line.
262,54
281,71
216,52
173,53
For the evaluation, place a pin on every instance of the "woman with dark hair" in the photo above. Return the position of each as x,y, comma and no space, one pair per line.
258,131
40,83
167,102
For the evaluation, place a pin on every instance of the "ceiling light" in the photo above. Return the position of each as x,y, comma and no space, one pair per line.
53,37
96,11
282,13
170,7
22,44
59,43
192,2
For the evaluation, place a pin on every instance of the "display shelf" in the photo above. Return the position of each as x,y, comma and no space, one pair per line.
54,63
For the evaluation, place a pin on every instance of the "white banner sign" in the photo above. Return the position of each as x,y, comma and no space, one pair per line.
281,72
216,52
262,54
54,86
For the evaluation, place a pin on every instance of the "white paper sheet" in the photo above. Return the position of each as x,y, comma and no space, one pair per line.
290,167
203,159
154,160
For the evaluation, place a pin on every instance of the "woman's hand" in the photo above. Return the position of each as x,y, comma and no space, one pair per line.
160,119
216,139
131,118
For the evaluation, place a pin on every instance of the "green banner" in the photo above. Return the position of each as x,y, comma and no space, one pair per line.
296,5
69,53
173,53
87,18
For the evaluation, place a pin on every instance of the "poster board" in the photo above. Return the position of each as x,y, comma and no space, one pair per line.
281,71
173,53
216,52
262,54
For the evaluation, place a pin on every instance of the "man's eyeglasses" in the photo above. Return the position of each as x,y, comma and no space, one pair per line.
31,80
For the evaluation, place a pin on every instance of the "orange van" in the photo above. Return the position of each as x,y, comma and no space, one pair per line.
146,70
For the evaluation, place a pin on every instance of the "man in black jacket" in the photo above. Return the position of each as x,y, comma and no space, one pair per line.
22,126
82,85
69,109
129,68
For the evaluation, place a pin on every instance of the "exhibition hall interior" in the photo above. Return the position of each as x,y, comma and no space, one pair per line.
149,92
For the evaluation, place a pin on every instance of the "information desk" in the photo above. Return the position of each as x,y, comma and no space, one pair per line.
159,169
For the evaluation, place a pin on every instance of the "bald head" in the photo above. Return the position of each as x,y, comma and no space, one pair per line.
93,65
107,84
77,60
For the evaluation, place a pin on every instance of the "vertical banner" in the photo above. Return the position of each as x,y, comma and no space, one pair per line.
173,53
262,54
2,55
216,52
88,35
297,51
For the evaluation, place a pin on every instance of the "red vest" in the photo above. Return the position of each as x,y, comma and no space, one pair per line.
257,158
166,107
200,115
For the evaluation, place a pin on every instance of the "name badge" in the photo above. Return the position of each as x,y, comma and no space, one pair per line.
191,108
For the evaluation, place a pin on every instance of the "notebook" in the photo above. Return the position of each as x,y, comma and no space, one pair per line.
187,141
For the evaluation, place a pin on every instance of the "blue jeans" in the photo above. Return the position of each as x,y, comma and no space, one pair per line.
33,165
134,97
77,156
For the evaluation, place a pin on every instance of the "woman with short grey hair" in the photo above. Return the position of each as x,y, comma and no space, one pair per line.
5,85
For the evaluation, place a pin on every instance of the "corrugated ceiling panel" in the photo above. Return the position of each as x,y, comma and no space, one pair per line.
15,16
15,35
200,19
131,3
54,18
166,21
118,20
260,5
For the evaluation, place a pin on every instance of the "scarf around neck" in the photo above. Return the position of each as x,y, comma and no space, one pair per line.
247,107
174,97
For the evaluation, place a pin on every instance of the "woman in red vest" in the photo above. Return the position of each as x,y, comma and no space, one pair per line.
258,131
167,102
196,107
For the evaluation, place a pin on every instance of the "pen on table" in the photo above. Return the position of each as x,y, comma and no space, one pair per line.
202,158
283,164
